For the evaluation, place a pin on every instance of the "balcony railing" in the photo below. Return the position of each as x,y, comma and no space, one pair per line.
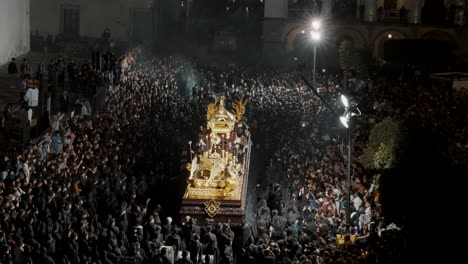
390,16
300,12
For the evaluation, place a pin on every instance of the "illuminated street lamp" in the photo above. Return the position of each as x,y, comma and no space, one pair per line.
316,36
345,101
346,121
316,24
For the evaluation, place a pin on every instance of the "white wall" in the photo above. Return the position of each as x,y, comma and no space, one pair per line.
95,16
14,29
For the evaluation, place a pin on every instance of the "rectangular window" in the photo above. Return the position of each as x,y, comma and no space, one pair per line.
70,20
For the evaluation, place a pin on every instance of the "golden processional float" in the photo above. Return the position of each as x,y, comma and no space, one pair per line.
217,182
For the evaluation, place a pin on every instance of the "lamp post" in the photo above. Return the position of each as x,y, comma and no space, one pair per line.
315,33
346,121
190,146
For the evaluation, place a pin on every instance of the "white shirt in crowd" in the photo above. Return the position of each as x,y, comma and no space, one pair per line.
84,110
30,114
32,97
26,171
357,202
56,119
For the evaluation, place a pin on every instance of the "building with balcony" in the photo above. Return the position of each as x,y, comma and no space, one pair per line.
208,26
412,26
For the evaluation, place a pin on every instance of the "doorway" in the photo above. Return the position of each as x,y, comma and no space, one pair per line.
70,20
141,25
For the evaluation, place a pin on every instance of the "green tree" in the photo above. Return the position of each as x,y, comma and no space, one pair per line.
382,151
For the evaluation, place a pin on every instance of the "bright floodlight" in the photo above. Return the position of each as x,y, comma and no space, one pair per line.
316,24
315,35
344,100
344,121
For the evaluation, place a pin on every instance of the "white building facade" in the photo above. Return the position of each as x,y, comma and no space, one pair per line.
14,29
126,19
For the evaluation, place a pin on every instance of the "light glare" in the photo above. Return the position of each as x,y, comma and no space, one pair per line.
316,24
344,121
315,35
344,100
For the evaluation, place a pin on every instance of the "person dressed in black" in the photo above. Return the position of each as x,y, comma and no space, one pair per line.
403,15
210,241
361,11
162,257
7,122
106,34
12,68
65,102
274,201
196,249
380,14
247,234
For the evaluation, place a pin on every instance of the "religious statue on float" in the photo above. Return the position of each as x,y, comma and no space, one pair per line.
216,170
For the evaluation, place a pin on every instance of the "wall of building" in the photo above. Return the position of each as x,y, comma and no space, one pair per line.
373,37
276,9
95,16
14,29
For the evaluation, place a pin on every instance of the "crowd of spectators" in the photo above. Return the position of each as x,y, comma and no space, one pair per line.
85,192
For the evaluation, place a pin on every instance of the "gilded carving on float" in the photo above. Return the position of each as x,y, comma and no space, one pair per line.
218,169
212,208
239,106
